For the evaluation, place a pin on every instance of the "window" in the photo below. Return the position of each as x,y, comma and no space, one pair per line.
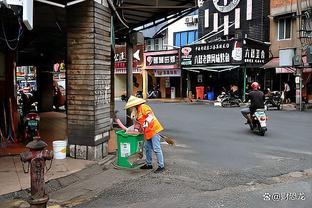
158,44
154,44
194,12
284,28
185,38
306,26
149,45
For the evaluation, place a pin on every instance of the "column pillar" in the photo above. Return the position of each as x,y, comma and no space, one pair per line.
145,83
89,79
129,52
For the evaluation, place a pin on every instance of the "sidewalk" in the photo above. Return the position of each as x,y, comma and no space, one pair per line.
285,107
78,187
13,178
181,100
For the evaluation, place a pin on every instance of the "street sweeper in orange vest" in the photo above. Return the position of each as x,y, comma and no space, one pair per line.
144,115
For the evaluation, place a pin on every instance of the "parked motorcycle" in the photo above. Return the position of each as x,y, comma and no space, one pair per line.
258,124
138,94
221,96
31,123
229,100
25,101
273,100
155,93
124,98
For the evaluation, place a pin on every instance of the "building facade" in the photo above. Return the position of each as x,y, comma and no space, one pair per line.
290,28
232,45
161,57
75,38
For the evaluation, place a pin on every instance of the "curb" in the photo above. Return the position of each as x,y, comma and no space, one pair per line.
62,182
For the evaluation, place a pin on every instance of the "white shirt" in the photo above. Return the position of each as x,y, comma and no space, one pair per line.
286,87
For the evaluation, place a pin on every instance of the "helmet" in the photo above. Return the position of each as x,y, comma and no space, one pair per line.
134,101
255,86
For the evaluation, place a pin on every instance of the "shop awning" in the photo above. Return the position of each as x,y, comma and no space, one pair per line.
131,14
211,68
285,70
60,3
145,14
274,63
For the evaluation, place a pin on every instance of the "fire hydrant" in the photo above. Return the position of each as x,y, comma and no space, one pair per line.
36,159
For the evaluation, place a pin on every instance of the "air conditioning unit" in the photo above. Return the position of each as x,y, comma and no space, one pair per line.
15,2
3,2
200,3
189,20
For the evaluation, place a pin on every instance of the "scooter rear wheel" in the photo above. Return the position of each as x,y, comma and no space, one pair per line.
225,104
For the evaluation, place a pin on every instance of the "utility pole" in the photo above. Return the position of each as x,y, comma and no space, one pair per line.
298,80
129,56
245,77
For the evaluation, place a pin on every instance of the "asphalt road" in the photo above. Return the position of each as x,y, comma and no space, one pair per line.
218,162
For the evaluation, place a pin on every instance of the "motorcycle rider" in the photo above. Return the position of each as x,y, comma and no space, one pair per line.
256,98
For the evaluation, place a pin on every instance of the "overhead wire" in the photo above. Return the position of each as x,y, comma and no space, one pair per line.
211,34
20,32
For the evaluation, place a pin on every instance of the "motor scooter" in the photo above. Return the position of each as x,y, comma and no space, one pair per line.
273,100
229,100
259,125
31,123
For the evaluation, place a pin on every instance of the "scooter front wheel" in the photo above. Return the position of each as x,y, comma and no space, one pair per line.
261,133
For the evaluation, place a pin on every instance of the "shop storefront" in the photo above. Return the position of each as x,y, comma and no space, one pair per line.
63,49
82,34
276,76
164,72
221,64
120,71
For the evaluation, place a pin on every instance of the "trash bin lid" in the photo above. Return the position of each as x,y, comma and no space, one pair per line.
124,134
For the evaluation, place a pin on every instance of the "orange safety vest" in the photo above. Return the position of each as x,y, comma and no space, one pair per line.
153,127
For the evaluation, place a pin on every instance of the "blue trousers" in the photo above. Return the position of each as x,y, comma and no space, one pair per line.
154,145
245,112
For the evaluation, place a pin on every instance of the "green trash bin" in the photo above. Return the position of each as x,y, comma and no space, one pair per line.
127,145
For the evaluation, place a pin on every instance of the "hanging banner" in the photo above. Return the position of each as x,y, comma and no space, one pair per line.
124,70
162,59
121,59
231,52
167,73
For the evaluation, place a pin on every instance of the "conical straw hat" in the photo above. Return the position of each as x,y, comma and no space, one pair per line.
134,101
